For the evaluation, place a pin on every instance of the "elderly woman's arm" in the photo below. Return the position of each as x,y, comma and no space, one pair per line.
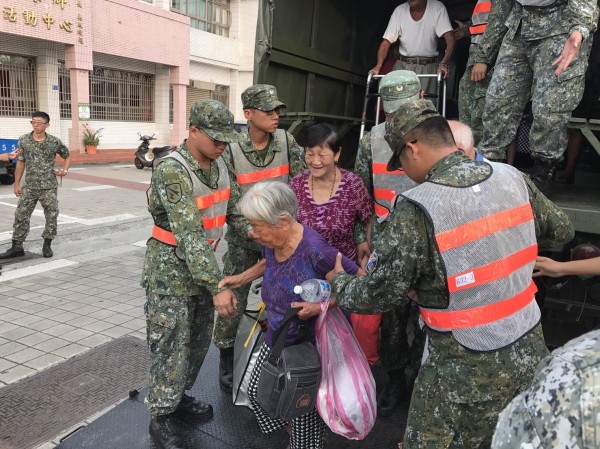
245,277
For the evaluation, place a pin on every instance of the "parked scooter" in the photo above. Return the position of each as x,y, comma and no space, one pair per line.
144,156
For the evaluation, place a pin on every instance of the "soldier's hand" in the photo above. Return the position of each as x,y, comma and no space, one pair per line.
569,52
17,189
478,72
225,303
338,268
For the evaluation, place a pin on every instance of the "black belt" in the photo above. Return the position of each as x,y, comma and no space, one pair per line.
418,59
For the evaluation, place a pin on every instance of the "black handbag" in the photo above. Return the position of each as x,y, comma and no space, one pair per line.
290,377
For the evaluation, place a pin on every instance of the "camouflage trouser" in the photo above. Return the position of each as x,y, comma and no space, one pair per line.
459,393
471,102
402,341
523,67
48,199
235,260
179,330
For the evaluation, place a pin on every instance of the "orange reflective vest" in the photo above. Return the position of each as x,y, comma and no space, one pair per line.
486,238
211,203
479,20
276,169
386,185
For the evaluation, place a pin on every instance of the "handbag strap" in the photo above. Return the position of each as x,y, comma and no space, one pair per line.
280,334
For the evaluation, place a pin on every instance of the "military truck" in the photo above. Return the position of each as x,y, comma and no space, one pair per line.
318,53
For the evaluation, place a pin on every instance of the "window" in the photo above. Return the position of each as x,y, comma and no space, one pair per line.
122,96
206,15
64,90
221,93
17,86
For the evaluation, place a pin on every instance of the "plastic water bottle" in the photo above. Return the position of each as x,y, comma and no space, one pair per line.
313,290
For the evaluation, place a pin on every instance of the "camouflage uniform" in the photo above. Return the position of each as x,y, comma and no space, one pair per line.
40,184
458,391
561,408
242,253
484,49
179,307
533,38
395,351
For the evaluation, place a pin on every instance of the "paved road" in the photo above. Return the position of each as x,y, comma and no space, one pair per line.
88,293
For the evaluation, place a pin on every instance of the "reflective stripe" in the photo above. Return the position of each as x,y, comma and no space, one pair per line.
482,7
380,168
477,29
203,202
213,222
477,229
381,211
477,316
164,236
384,194
492,271
247,178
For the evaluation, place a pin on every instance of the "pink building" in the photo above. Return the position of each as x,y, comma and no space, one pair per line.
121,65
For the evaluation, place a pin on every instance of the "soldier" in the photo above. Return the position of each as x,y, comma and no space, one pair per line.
396,355
465,241
263,153
38,152
561,408
188,201
484,49
541,53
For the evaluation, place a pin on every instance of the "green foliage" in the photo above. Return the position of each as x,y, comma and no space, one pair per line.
91,137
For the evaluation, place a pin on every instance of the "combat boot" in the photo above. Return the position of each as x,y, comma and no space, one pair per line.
16,250
542,173
46,250
164,433
226,370
392,394
194,408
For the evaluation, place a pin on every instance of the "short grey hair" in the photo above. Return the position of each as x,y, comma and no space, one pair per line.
269,201
463,135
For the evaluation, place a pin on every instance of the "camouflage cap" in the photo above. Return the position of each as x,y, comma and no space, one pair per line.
261,96
561,408
398,87
212,117
409,114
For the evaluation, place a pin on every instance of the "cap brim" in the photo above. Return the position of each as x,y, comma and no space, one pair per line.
224,135
394,162
272,105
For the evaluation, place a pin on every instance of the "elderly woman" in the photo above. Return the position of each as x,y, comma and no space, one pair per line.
292,253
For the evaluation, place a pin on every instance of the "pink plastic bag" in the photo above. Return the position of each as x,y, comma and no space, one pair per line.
346,398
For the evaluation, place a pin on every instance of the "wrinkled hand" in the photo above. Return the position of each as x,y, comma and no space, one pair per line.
459,32
375,70
225,303
362,254
444,69
17,189
234,281
570,50
478,72
545,266
309,309
338,268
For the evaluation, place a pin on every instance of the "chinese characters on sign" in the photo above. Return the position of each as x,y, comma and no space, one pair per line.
30,17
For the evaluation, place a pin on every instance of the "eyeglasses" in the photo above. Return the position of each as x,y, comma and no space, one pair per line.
278,110
215,142
37,123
